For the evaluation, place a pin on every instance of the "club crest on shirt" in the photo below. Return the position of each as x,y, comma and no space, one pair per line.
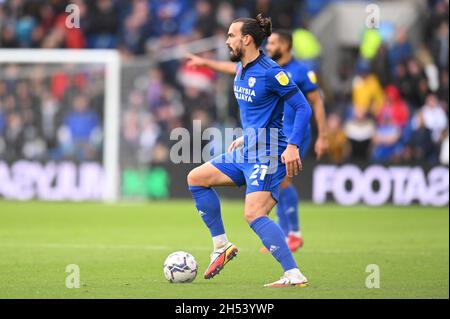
251,81
282,78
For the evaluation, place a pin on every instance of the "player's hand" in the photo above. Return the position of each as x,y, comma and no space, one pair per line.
194,60
291,158
236,144
321,147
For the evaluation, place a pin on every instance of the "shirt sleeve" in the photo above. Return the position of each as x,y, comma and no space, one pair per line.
308,81
278,82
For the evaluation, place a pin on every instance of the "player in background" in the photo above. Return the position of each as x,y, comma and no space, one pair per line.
261,88
278,47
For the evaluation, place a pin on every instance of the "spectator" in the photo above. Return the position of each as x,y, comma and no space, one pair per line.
72,38
367,93
8,37
338,145
147,140
438,14
370,44
402,49
206,21
439,46
50,113
434,117
135,27
34,147
428,127
154,88
394,108
80,133
169,14
418,83
381,67
386,139
13,137
225,14
360,131
24,30
102,24
130,138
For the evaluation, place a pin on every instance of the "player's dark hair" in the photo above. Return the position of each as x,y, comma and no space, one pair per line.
258,28
284,35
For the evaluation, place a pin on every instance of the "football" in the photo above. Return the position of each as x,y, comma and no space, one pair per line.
180,267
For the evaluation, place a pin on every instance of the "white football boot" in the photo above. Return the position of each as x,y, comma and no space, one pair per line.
290,279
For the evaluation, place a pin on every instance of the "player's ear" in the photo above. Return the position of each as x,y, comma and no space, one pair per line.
247,39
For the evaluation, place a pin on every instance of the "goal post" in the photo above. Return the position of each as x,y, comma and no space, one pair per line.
111,60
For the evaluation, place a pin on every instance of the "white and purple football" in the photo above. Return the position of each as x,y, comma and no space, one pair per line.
180,267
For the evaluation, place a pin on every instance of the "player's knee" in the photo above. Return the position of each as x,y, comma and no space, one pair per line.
194,178
252,213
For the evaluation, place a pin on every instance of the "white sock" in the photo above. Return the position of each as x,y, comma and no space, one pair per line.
220,241
294,272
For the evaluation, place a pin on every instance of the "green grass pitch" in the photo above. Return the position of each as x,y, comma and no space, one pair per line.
120,250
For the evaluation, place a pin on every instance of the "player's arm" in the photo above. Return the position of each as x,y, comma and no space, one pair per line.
279,83
219,66
316,102
303,112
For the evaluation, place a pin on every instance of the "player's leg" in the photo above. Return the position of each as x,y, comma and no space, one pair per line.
201,180
218,172
257,207
263,185
289,197
283,221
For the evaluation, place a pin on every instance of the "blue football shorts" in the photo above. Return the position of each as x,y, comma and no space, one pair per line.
257,175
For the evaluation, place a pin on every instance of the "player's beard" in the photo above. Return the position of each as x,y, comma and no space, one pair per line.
236,55
276,55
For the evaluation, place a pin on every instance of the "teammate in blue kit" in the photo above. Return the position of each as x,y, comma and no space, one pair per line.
267,156
279,47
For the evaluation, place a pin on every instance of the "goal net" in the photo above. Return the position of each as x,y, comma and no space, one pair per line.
59,124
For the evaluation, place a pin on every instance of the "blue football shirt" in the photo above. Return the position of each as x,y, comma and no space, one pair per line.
261,89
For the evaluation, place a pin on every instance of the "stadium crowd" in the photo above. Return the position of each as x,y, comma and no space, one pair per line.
391,105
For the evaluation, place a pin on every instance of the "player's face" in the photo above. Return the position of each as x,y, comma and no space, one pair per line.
274,47
235,42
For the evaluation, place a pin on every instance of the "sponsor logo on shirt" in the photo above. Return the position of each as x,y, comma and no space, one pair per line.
244,94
